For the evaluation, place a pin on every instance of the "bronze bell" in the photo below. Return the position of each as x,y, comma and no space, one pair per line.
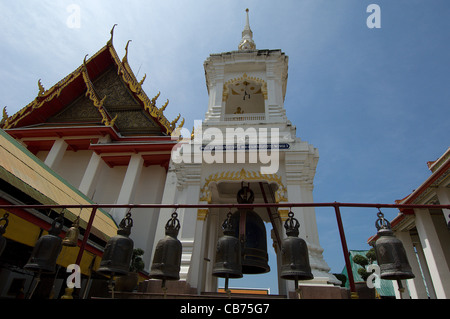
294,253
71,239
228,253
2,231
252,235
391,255
118,251
46,250
167,258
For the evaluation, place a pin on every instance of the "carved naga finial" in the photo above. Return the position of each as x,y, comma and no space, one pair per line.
5,116
164,106
156,97
41,88
125,57
143,79
175,121
109,43
182,123
84,61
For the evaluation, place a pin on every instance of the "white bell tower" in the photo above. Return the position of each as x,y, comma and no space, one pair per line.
246,85
244,138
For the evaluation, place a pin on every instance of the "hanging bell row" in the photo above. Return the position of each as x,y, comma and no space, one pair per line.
167,258
294,253
118,251
2,231
391,255
47,248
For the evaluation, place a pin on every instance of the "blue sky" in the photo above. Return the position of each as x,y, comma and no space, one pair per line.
375,102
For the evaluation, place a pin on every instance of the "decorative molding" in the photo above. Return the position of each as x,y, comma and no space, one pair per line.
202,213
280,194
90,92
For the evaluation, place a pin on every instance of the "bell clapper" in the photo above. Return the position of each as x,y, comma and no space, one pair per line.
164,288
401,289
297,289
227,290
38,279
111,285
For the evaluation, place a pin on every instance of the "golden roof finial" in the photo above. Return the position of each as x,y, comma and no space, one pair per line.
41,87
143,79
125,57
5,116
109,43
175,120
164,106
84,60
155,98
182,123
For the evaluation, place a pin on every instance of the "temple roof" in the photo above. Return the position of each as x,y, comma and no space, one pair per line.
103,90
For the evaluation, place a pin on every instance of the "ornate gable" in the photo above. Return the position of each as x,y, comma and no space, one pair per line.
103,90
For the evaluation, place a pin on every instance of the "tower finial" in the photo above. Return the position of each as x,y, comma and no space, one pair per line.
247,42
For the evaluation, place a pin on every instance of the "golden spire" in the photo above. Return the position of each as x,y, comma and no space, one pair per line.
247,42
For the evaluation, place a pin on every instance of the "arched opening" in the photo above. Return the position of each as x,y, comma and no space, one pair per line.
244,99
226,192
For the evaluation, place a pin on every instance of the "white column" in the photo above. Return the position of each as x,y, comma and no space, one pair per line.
434,254
189,231
89,181
443,194
93,170
169,195
196,278
416,285
212,233
424,266
216,78
56,154
129,183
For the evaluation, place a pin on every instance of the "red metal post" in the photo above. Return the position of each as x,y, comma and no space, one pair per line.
346,254
86,235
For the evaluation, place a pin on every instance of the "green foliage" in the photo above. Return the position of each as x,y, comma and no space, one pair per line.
137,264
342,278
363,261
371,255
363,273
360,260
